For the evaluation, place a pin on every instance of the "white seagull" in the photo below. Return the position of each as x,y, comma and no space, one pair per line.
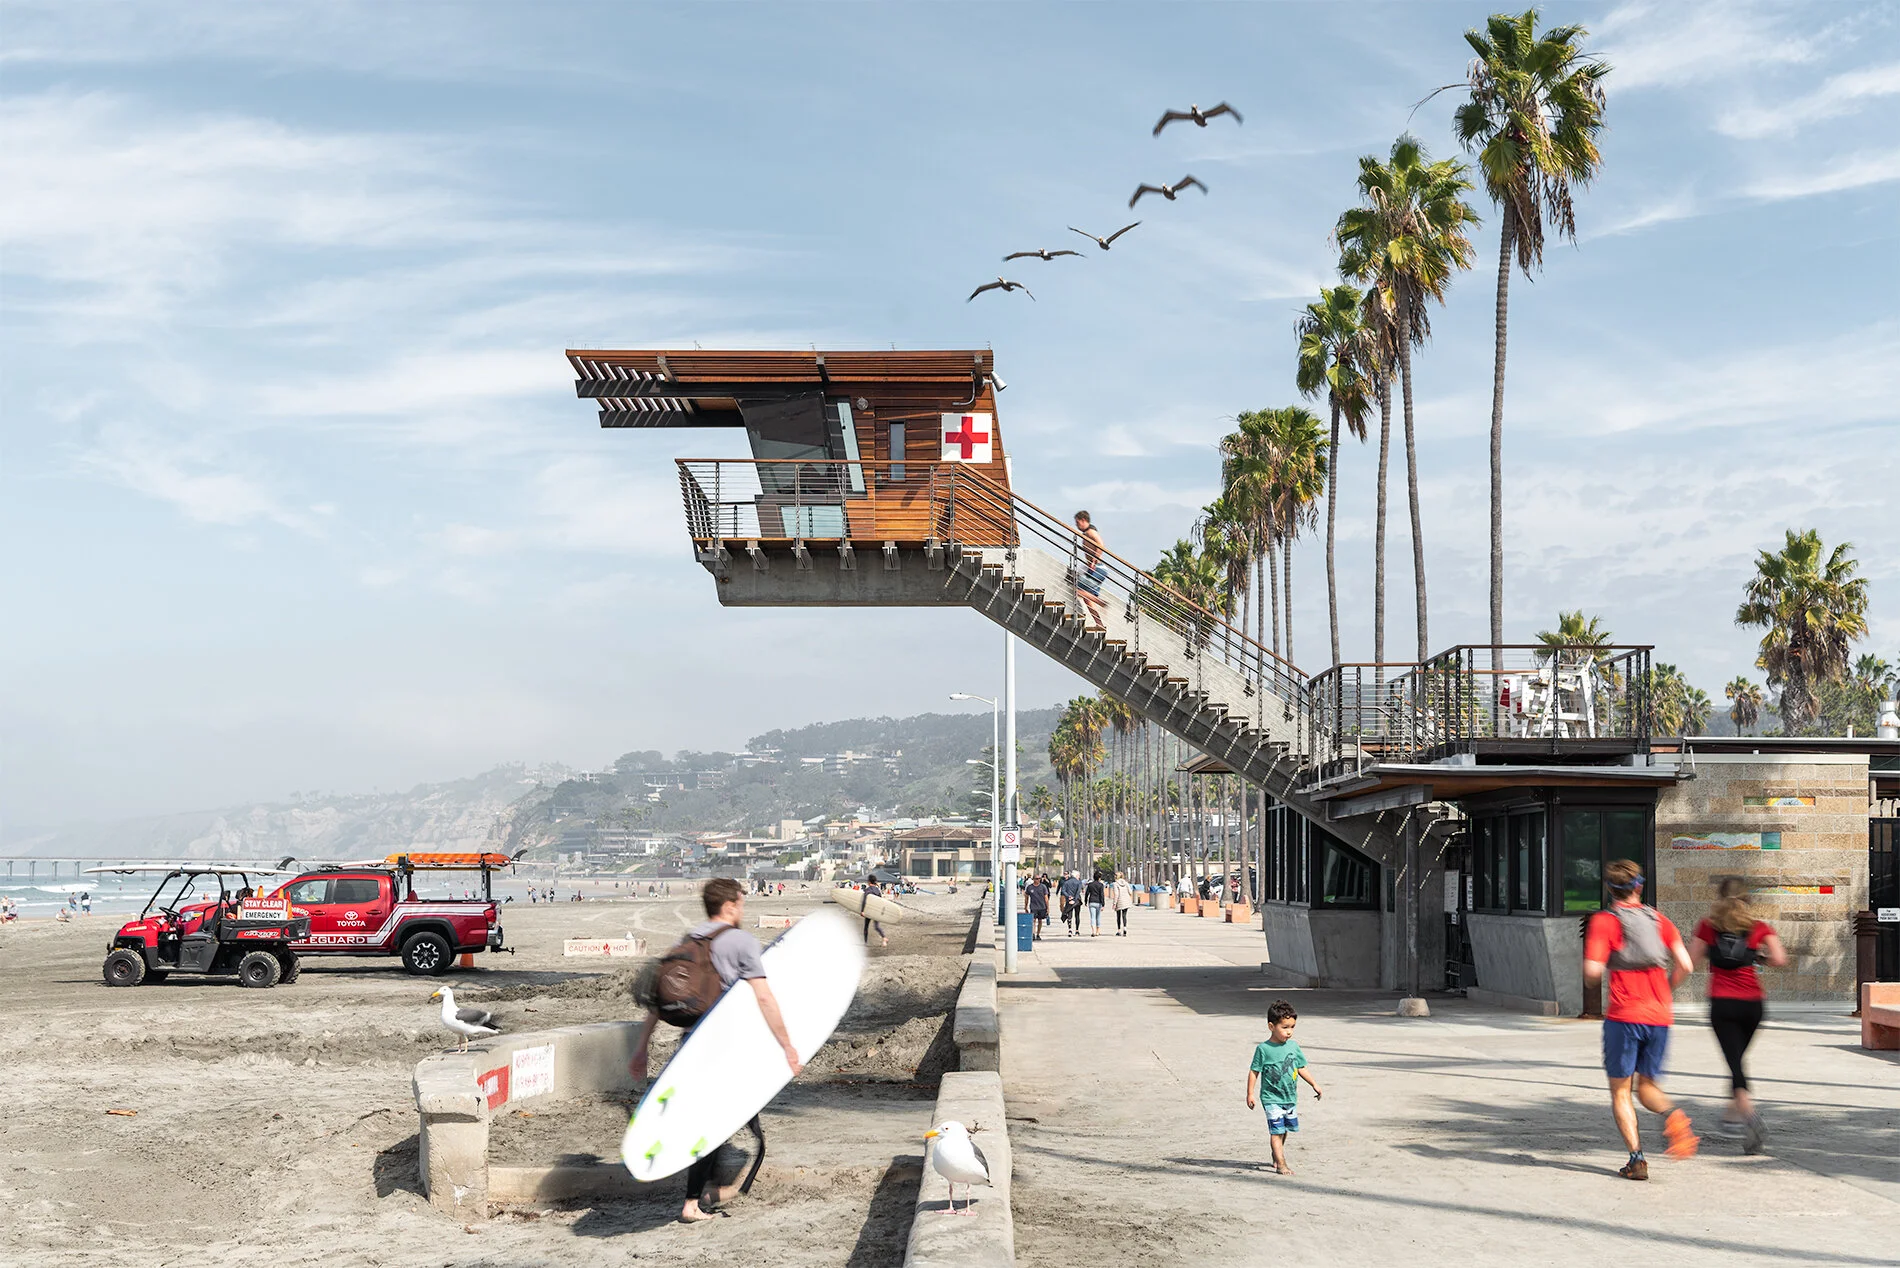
958,1160
470,1023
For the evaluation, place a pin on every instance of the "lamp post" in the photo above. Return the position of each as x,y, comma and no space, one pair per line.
996,875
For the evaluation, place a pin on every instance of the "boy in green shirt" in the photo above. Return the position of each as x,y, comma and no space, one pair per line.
1278,1066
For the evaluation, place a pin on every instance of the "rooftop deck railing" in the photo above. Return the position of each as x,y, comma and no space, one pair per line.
1470,694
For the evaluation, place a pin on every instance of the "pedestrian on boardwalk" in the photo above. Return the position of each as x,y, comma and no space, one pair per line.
1121,897
1095,894
1273,1080
1645,960
1038,894
1070,892
1730,942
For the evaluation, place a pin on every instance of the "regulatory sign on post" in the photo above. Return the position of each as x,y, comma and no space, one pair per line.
1009,843
1011,853
1888,915
1011,838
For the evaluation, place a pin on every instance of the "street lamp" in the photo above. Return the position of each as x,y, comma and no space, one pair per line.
996,876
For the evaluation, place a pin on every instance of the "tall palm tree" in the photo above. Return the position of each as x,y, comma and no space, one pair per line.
1573,631
1247,489
1299,478
1813,608
1335,356
1535,110
1410,237
1745,702
1227,536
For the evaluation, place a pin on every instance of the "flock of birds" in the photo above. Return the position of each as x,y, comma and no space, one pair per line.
1193,114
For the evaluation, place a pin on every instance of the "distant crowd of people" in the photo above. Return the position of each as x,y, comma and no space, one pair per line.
1074,896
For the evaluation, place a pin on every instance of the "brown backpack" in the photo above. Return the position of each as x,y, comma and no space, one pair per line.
687,983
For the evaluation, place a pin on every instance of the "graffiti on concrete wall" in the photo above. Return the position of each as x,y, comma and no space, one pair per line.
1727,841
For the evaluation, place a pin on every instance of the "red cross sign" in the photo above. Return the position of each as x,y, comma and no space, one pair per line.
966,437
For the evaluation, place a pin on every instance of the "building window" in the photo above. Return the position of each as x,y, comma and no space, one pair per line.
1591,840
946,867
897,451
1509,858
1347,878
1527,847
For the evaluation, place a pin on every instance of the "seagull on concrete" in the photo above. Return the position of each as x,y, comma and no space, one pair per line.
1197,116
1166,191
1103,243
1004,283
469,1023
958,1160
1040,253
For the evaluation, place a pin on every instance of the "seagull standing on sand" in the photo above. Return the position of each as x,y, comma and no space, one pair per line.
1197,116
1166,191
958,1160
469,1023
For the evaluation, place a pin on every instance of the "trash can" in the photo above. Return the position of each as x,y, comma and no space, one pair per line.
1025,931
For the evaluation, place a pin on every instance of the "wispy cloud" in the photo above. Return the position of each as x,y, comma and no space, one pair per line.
204,486
1676,45
1671,207
1842,94
1852,172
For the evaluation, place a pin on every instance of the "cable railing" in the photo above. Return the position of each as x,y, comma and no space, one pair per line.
1473,693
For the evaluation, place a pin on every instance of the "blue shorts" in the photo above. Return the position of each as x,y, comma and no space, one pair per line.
1092,580
1630,1048
1281,1119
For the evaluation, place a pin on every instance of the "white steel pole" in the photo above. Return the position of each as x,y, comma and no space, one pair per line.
1009,799
996,783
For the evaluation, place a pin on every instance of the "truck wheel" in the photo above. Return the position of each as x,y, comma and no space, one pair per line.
259,970
427,953
124,967
291,966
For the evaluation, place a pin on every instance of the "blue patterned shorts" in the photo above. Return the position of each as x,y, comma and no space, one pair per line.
1281,1119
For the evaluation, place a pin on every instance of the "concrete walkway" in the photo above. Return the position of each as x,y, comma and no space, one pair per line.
1475,1137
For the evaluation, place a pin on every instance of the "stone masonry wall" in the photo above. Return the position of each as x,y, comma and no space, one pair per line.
1813,841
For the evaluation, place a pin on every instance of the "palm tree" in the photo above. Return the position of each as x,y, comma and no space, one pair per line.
1407,241
1745,703
1247,490
1227,536
1335,355
1573,631
1813,608
1677,707
1194,579
1298,479
1535,110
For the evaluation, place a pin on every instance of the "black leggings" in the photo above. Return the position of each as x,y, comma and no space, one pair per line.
1121,918
1735,1022
727,1160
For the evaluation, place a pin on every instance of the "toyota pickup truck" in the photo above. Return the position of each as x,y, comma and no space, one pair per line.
372,909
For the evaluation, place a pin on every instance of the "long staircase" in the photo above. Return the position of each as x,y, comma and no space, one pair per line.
1174,662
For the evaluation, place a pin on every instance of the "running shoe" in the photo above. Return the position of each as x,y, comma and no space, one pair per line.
1682,1138
1634,1169
1755,1136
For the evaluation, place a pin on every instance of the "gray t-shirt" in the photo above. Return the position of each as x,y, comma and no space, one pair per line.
735,955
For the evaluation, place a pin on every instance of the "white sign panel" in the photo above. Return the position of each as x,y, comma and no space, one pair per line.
531,1073
968,437
1888,915
1011,837
1011,854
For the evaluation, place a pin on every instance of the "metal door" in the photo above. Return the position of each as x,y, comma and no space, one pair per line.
1883,890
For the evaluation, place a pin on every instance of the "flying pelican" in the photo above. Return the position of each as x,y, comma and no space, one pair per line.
1002,282
469,1023
1040,253
1197,116
1103,242
1167,191
958,1160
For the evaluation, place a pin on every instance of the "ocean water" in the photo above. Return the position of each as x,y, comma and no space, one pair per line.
116,894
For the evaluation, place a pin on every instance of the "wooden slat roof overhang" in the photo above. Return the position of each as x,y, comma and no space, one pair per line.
703,388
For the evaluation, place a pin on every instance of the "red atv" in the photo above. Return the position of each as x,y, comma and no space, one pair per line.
194,923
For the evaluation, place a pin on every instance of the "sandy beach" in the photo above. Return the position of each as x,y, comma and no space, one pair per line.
281,1122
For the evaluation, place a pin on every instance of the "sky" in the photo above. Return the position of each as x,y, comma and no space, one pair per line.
295,493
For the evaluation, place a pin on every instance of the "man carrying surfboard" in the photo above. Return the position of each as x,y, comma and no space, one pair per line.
736,957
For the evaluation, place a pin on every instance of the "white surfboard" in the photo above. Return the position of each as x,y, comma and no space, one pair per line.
865,903
730,1067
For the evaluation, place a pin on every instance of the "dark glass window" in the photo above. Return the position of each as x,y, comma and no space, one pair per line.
1527,843
355,889
1583,859
310,891
1347,878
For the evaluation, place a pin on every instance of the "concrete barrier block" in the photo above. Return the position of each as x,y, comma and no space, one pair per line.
976,1026
452,1144
986,1238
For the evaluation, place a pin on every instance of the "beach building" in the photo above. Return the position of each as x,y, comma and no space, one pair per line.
1429,824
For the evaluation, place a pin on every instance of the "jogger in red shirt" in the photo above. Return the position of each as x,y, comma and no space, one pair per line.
1646,961
1730,943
